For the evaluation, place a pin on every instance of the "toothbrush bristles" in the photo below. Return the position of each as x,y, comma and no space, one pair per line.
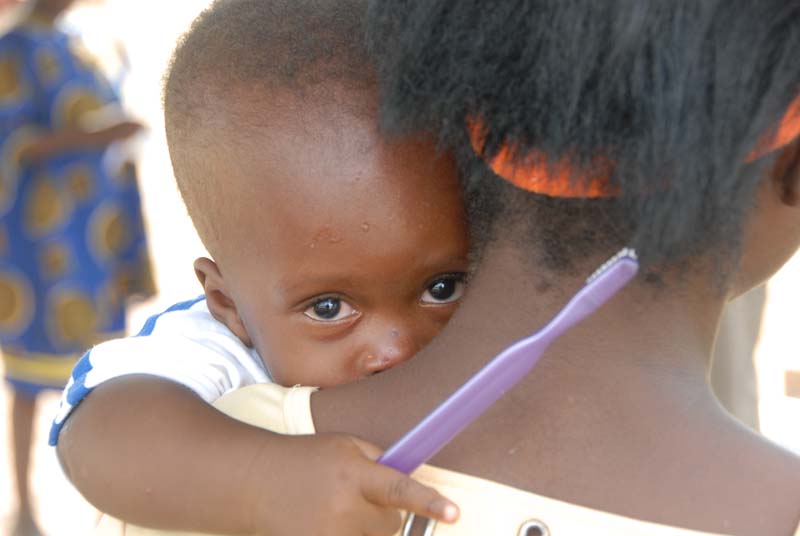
629,253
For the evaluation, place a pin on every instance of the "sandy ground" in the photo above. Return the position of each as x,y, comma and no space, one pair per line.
148,28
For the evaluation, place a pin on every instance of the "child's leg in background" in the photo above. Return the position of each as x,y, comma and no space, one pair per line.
22,414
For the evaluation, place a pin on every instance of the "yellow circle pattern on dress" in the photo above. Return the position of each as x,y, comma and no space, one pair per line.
112,296
5,245
80,182
7,185
72,104
12,88
145,283
17,303
109,232
125,282
72,318
10,162
46,207
54,260
47,66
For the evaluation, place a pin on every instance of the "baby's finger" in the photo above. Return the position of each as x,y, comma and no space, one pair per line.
392,489
371,451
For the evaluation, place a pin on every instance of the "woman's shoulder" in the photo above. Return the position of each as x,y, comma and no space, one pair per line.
781,481
760,482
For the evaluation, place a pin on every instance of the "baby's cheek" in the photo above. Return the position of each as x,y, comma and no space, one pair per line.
435,321
309,365
274,358
282,368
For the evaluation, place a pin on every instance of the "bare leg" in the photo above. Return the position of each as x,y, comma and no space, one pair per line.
23,408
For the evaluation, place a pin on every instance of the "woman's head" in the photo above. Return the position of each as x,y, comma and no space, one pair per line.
673,97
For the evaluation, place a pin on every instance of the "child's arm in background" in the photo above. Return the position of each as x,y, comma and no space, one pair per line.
149,451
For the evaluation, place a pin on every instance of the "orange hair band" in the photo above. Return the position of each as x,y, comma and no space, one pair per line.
536,174
785,133
561,178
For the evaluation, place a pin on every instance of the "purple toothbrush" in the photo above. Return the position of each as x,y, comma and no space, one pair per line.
473,398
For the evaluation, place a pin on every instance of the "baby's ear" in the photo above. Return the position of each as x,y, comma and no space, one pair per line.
220,304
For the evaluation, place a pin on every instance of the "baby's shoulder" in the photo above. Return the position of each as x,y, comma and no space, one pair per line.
182,317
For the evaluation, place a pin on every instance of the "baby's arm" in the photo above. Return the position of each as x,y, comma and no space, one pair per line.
152,453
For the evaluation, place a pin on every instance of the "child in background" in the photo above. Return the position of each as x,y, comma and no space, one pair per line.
359,257
73,250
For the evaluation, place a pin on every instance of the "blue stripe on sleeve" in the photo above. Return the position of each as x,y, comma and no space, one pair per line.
73,395
55,429
150,325
78,390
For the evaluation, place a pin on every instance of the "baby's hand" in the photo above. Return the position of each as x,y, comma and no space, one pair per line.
330,484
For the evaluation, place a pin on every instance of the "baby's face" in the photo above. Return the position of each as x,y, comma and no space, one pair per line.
351,250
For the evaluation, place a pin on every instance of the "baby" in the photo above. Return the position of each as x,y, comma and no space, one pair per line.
336,253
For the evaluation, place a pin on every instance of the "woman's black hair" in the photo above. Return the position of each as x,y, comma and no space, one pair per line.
676,93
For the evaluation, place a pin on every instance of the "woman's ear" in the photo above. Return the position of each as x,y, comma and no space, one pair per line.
786,175
772,233
220,304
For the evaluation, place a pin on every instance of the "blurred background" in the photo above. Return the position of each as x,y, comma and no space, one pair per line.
137,38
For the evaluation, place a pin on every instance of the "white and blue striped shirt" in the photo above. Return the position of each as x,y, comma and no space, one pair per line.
184,344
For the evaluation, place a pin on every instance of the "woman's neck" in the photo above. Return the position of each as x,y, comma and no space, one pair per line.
642,329
641,336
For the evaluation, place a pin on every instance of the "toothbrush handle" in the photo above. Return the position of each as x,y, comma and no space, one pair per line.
473,398
465,405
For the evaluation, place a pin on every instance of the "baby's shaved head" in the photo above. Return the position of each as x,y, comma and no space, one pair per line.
242,62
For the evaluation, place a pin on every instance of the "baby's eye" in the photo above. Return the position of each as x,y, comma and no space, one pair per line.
444,289
329,310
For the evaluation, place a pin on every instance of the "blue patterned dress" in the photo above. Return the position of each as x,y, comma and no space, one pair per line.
72,245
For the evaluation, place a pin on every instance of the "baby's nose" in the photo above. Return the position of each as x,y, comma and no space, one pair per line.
391,351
